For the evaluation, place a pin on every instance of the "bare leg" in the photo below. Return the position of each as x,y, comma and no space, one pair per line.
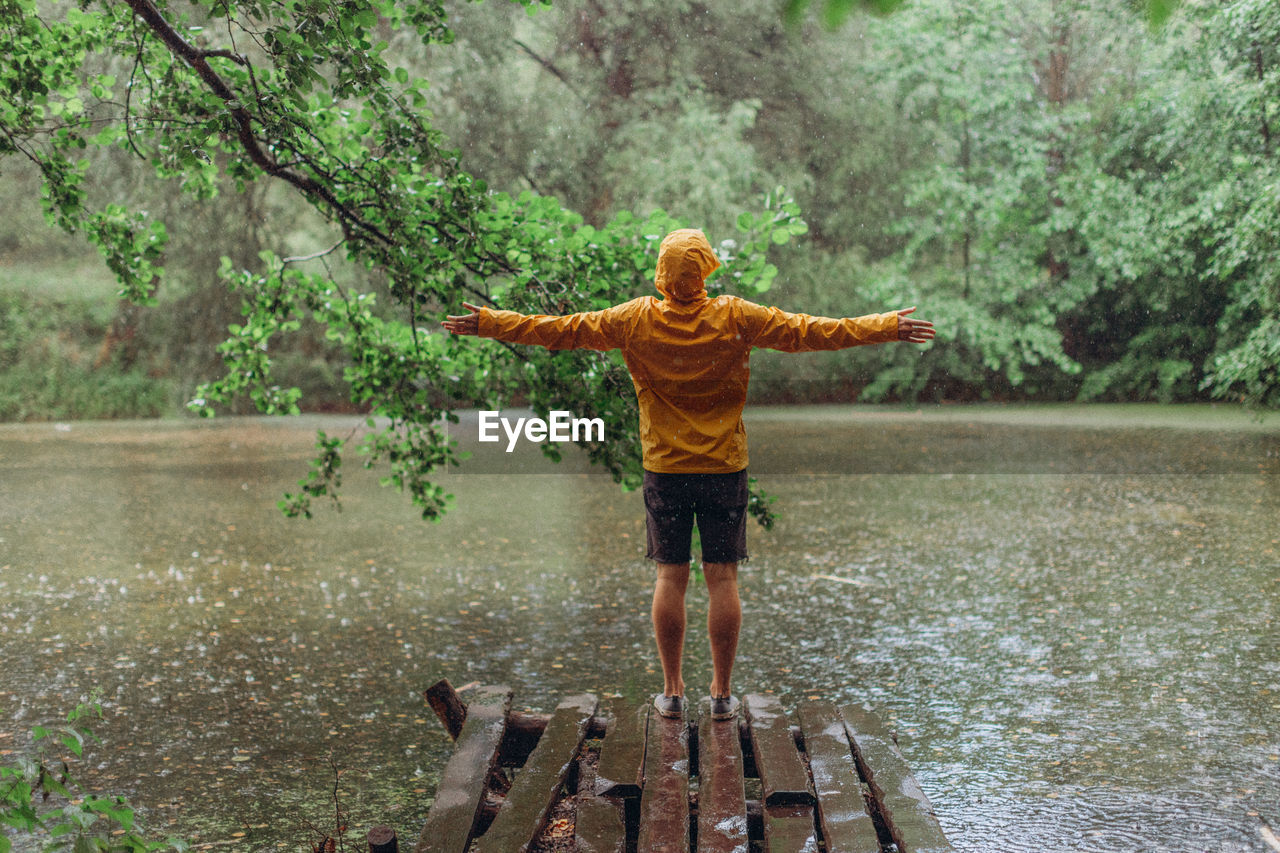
669,622
724,618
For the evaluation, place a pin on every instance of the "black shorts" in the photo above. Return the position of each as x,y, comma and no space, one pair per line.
719,501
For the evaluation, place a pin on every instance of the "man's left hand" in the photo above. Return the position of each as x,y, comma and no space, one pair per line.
464,324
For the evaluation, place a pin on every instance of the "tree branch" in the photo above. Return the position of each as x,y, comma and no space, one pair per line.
225,54
550,67
197,61
314,255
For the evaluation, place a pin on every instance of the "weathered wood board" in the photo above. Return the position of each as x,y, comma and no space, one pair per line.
782,772
621,767
722,801
907,811
664,801
599,825
846,824
619,777
790,829
524,811
462,785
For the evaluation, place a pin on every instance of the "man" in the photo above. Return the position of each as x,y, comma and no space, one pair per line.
687,354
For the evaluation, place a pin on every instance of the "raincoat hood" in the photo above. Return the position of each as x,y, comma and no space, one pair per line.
685,259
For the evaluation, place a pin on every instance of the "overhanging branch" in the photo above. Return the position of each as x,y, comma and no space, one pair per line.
198,61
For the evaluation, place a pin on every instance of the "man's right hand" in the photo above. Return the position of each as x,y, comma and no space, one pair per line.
464,324
913,331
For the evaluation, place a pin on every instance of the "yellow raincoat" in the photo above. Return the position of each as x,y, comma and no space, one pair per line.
688,353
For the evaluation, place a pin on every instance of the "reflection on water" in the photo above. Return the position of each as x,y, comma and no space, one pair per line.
1071,623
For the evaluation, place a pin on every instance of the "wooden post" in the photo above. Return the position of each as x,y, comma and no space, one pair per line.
448,707
382,839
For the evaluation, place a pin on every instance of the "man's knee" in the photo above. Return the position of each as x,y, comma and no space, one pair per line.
674,573
720,574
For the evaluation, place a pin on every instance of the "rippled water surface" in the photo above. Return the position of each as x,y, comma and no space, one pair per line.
1069,615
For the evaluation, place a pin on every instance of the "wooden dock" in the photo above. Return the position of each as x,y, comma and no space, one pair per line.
611,777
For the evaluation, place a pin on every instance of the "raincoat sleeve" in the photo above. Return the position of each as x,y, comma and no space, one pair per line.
773,328
598,330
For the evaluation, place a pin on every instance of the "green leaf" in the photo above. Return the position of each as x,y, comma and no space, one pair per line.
1158,11
72,741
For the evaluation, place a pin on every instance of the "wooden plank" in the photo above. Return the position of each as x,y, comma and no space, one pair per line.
907,812
782,773
524,812
598,825
722,799
846,825
621,767
452,817
789,828
664,803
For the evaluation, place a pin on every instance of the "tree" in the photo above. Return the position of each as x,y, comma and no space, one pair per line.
1177,216
835,12
309,96
1000,97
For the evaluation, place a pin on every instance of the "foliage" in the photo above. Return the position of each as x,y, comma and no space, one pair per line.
46,373
1084,203
614,107
987,88
1092,204
836,12
308,96
78,820
1177,220
968,159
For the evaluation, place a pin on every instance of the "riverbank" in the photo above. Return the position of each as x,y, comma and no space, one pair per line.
1175,416
1199,416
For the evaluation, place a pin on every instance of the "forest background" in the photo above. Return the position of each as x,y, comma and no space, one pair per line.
1085,203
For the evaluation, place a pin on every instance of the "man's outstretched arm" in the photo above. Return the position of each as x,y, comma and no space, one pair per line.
587,330
773,328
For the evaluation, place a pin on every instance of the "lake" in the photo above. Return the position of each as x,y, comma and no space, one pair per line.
1067,613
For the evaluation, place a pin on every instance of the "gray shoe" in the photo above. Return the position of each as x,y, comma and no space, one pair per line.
671,707
724,707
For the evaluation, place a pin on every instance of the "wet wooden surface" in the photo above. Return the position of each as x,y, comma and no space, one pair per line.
664,800
524,812
789,829
462,785
782,772
621,766
599,825
722,801
619,778
905,808
846,824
